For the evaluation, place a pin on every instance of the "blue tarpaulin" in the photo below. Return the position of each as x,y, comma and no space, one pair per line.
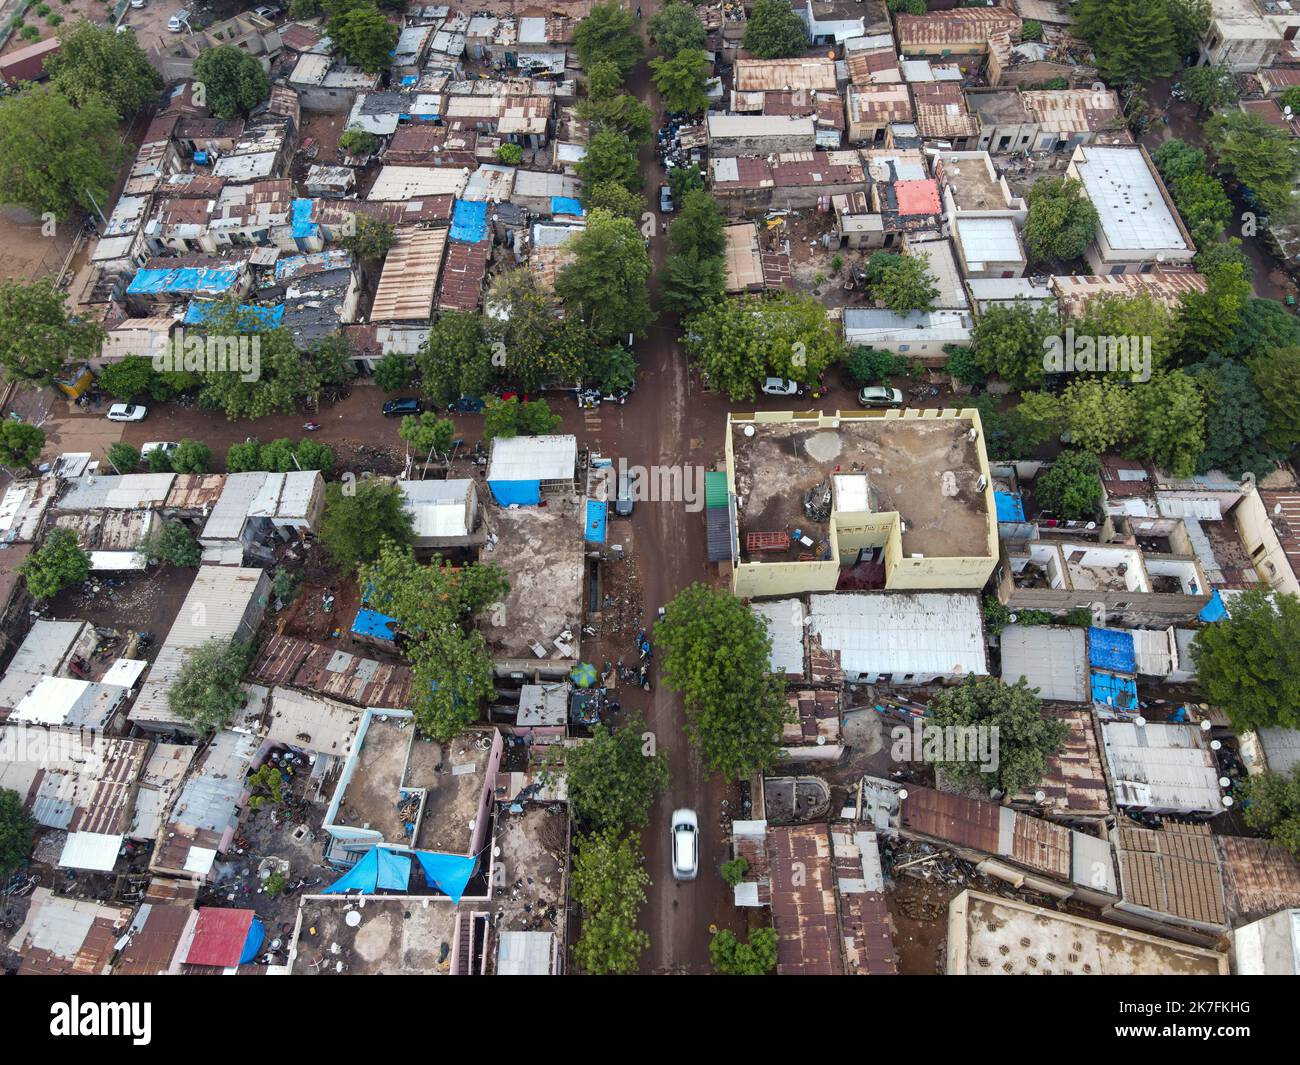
1010,506
469,222
524,493
449,873
1214,610
375,625
1112,649
378,869
566,205
211,282
303,226
199,311
1118,692
252,942
596,510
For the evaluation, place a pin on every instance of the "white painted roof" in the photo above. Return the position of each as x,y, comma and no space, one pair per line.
1050,658
784,619
90,850
925,633
989,240
1161,765
438,508
1126,193
533,458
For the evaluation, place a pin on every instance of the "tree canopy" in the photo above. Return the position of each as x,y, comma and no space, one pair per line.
207,695
359,518
676,27
605,281
1071,486
96,62
1061,222
614,777
1250,150
17,831
21,443
682,80
1009,342
364,37
608,885
55,565
609,33
731,957
233,81
774,31
715,653
1134,40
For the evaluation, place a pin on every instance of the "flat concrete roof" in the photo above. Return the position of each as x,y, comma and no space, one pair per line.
402,936
925,469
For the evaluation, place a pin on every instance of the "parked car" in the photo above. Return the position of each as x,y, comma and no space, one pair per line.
880,396
126,412
665,199
686,845
779,386
269,12
137,4
167,446
178,22
402,406
624,499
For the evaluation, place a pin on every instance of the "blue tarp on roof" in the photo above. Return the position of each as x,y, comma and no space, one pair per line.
212,282
566,205
449,873
378,869
1118,692
375,625
1010,506
1112,649
303,226
469,222
1214,610
410,79
596,511
253,942
199,311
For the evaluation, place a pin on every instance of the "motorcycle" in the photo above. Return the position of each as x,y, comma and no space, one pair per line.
311,427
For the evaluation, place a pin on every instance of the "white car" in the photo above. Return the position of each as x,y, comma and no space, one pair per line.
778,386
686,845
126,412
166,446
137,4
179,21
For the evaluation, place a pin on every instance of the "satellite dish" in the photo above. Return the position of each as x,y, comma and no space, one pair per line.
1205,726
1224,782
1140,721
1227,800
1215,745
749,430
902,793
1039,796
353,918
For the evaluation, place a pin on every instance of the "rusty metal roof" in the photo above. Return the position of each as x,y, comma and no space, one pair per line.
462,276
880,103
1072,110
1173,870
286,660
1074,781
410,278
805,913
941,110
766,75
1284,511
963,25
62,936
817,715
1259,877
1168,287
866,926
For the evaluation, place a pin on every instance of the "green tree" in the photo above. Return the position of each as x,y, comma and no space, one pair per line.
371,238
1236,421
17,832
1177,159
356,141
682,80
715,653
731,957
699,226
21,443
1061,222
536,343
692,282
1100,413
774,31
96,62
174,545
1211,87
1277,377
285,379
737,343
451,678
609,368
456,359
733,871
610,159
427,434
1010,342
191,456
1265,325
393,372
123,457
616,199
244,457
1250,150
906,285
675,28
1071,487
604,79
131,376
510,154
1134,40
608,885
57,157
1248,664
870,366
614,777
609,33
683,180
622,114
1210,318
234,80
1169,427
1271,806
1131,316
605,282
1204,206
359,517
1191,21
1025,738
207,694
55,565
314,456
508,417
364,37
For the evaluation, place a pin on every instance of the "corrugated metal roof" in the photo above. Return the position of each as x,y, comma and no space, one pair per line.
525,953
1050,658
1162,766
784,74
784,620
409,282
1173,870
96,851
805,911
926,634
533,458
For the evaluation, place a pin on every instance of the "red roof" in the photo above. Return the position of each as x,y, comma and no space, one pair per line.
917,197
219,937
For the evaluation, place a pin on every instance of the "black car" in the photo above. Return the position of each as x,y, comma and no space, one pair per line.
395,408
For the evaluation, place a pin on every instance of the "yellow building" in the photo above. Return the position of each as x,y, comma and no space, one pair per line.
859,500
